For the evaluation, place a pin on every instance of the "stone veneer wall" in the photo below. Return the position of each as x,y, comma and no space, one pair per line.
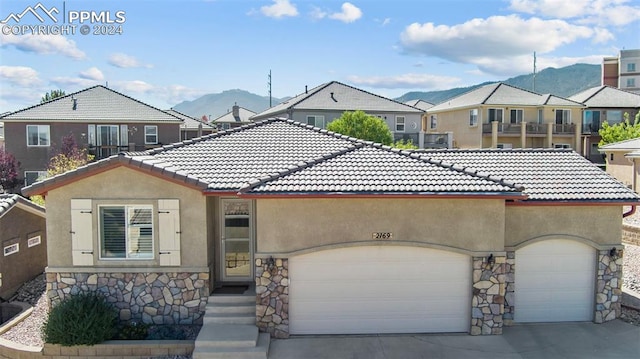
510,288
608,286
630,234
487,302
272,296
153,298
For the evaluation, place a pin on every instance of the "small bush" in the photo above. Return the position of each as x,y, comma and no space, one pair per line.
83,319
133,331
167,332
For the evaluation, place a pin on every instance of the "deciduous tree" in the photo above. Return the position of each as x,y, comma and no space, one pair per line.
620,131
51,95
361,125
9,174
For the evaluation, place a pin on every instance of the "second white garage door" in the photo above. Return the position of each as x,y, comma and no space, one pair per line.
554,282
379,289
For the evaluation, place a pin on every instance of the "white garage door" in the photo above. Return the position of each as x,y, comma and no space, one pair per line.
379,289
554,282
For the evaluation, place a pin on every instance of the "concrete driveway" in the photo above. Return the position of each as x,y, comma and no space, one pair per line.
615,339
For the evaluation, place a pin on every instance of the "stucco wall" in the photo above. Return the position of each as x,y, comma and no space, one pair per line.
124,185
620,167
599,225
290,225
465,136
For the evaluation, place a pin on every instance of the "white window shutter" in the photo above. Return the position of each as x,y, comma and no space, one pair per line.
81,232
169,232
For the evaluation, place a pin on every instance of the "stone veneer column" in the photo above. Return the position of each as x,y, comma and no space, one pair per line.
152,298
487,302
608,286
510,288
272,296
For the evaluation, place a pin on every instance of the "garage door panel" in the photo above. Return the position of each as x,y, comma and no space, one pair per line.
383,289
554,282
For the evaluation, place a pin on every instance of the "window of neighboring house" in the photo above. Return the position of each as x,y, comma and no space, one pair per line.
32,176
594,149
631,82
540,116
516,115
11,249
631,67
433,121
591,121
399,123
563,117
613,117
611,157
225,126
33,241
316,121
1,130
150,135
495,114
473,117
38,135
561,145
505,145
126,232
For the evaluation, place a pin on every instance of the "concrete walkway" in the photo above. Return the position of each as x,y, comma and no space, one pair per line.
615,339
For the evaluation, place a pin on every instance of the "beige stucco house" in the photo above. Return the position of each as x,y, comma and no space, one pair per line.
503,116
335,235
623,161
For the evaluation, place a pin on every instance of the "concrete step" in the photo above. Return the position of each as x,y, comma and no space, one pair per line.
229,318
223,298
238,308
227,335
260,351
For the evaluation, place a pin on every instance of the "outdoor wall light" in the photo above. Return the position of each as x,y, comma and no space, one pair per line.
270,263
613,252
491,259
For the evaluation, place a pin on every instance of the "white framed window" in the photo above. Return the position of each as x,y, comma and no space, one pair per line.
540,116
561,145
516,115
150,135
126,232
631,82
1,130
11,249
433,121
33,176
473,117
563,117
34,241
38,136
631,67
316,121
505,145
400,123
495,114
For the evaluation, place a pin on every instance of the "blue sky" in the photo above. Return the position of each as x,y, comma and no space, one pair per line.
170,51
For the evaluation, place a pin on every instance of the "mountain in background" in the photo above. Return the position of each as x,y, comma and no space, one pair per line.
218,104
563,82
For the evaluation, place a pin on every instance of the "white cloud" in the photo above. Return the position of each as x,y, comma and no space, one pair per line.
43,44
71,84
406,81
317,13
126,61
169,95
279,9
600,12
386,21
134,86
350,13
20,75
92,73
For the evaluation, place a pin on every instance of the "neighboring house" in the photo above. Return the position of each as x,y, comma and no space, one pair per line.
421,104
603,103
24,242
622,71
327,102
325,227
191,127
101,119
503,116
238,116
623,161
1,135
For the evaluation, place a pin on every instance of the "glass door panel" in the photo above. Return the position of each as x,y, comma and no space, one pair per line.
237,257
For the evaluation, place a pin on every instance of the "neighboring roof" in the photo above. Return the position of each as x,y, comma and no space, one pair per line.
546,174
501,94
189,122
607,97
95,104
421,104
9,201
244,116
283,158
626,145
337,96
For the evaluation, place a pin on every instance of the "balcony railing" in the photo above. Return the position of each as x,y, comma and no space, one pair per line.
101,152
503,127
532,128
437,140
564,129
537,128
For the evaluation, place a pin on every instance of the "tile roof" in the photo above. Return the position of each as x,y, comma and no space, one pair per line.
8,201
631,144
607,97
340,97
421,104
189,122
546,174
244,116
96,104
504,95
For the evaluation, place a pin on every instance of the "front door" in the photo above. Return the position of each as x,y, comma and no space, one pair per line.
236,240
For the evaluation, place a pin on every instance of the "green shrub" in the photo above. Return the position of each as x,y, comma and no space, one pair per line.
133,331
82,319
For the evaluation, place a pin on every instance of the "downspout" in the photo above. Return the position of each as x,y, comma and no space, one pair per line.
631,211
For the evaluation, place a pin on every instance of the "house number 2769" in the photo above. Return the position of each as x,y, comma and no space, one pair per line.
382,235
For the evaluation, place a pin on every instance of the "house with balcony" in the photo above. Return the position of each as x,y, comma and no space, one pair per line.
191,127
603,103
622,71
321,105
503,116
100,119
